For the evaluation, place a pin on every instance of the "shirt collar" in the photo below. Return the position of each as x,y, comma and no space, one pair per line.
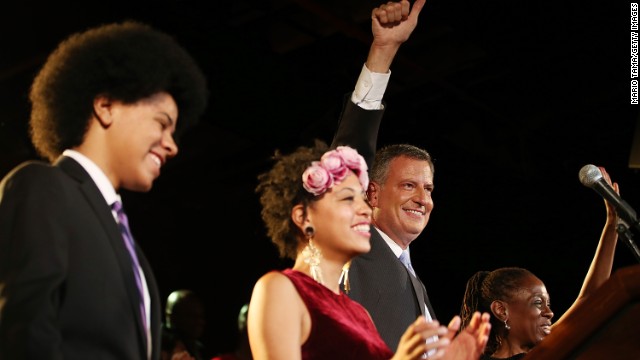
97,175
397,250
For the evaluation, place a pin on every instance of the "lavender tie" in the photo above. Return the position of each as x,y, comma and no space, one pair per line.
404,258
123,224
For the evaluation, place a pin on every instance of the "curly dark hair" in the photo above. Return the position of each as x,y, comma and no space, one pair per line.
281,189
126,61
482,289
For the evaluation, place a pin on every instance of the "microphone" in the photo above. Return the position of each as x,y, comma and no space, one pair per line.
591,177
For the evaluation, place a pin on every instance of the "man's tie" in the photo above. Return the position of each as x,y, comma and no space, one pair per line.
404,258
123,224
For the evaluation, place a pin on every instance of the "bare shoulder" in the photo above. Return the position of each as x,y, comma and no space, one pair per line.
274,280
275,284
275,296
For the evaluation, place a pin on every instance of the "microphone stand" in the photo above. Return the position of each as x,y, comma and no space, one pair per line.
627,237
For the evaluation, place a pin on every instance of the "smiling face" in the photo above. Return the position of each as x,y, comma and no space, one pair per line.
342,219
402,204
529,313
141,141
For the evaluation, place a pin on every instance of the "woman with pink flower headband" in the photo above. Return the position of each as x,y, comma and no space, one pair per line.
315,211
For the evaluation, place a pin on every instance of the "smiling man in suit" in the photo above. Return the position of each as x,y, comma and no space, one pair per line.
106,107
400,188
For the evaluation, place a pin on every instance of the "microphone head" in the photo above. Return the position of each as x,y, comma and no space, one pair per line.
589,174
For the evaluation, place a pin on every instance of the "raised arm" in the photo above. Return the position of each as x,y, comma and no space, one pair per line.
391,25
602,263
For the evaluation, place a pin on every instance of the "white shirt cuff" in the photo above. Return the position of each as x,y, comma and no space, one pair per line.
370,89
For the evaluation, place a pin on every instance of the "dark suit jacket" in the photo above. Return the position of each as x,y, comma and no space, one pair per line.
379,281
66,281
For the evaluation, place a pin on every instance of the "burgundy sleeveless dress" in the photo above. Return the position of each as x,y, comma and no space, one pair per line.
340,327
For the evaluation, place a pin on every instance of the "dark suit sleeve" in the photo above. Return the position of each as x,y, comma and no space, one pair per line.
358,128
32,264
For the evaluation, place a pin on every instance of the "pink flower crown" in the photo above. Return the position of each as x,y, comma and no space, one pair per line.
333,167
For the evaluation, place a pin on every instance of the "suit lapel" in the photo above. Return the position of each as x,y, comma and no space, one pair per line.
154,306
418,287
102,211
428,302
421,293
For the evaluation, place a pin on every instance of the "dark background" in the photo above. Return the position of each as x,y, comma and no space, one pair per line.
511,99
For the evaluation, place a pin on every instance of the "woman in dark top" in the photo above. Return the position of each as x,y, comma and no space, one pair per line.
519,302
